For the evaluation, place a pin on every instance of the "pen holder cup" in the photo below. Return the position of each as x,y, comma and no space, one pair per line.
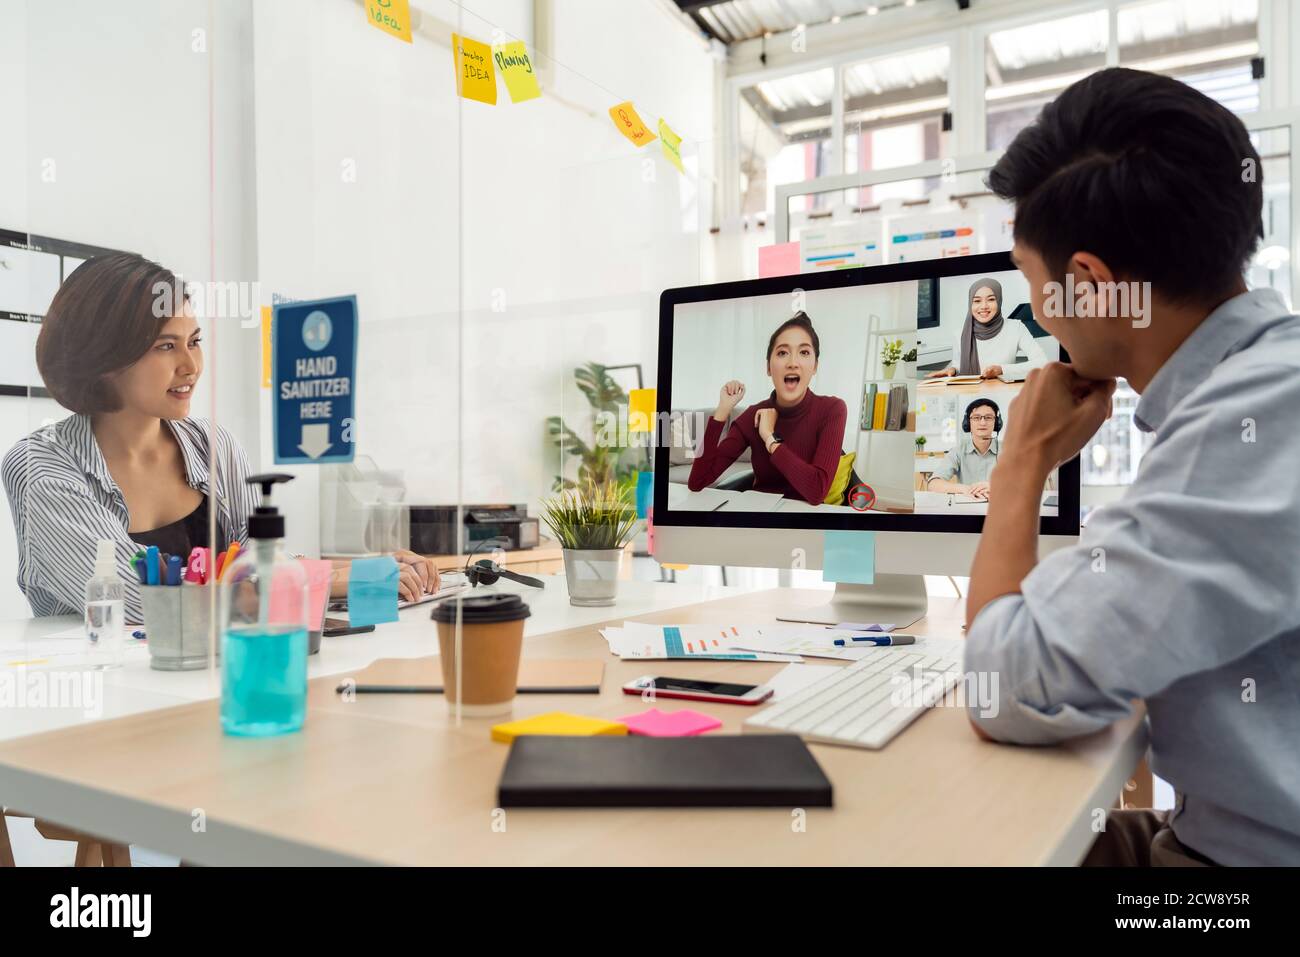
178,624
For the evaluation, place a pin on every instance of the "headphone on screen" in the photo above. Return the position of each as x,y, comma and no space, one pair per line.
997,421
487,572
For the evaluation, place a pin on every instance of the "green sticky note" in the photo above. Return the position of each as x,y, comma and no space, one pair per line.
849,557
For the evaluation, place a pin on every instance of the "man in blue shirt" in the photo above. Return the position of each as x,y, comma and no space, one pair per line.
1138,204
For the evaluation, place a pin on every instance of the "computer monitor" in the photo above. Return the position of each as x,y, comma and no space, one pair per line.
864,444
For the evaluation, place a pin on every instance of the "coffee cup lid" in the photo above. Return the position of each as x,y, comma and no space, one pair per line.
481,609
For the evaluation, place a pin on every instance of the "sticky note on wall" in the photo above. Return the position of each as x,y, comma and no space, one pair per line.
476,78
516,68
671,144
266,347
849,557
391,16
627,122
372,591
641,410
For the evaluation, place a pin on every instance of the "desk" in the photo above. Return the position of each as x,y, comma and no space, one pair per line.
997,390
391,779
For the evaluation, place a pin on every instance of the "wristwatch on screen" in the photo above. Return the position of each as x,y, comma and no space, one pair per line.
775,440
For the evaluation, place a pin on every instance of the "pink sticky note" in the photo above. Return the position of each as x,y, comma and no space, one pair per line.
781,259
286,598
318,590
669,724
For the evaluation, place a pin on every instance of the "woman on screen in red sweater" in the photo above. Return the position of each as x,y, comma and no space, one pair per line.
794,434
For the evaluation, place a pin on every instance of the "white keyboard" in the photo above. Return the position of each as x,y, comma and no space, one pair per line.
866,704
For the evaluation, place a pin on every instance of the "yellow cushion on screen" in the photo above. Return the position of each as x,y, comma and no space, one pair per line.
840,484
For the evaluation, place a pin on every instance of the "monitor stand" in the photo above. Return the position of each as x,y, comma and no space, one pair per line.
900,599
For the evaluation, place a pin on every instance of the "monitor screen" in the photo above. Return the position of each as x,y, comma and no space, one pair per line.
822,401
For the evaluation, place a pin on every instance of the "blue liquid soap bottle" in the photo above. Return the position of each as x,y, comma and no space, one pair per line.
264,629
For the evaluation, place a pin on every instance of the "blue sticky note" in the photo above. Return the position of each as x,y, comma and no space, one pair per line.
372,591
644,488
849,557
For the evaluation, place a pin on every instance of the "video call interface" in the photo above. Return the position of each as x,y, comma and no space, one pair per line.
890,398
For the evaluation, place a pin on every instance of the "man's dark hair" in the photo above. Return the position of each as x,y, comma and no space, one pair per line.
1152,176
983,403
801,320
101,321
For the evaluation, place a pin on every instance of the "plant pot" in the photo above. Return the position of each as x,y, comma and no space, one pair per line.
592,575
909,370
889,369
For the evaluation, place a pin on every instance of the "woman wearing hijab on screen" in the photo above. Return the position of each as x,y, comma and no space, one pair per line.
988,341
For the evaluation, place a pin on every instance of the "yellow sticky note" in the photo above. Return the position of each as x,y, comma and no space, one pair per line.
556,722
516,68
629,124
475,77
641,410
391,16
266,347
672,145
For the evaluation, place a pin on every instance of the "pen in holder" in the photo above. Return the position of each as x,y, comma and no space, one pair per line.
179,625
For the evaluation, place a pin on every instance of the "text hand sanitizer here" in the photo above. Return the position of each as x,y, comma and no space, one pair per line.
317,380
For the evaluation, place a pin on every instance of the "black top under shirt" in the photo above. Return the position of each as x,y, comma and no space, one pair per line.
181,536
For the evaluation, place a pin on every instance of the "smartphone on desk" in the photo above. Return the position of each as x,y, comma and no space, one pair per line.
338,627
692,690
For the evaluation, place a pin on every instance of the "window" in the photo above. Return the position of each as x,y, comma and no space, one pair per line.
1027,66
785,136
1207,44
893,116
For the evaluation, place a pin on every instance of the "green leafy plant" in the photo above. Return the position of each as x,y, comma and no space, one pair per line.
600,461
910,355
891,351
920,443
591,516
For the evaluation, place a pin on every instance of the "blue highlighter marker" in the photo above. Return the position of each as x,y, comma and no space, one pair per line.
151,565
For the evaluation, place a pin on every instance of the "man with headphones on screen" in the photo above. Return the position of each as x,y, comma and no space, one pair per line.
966,468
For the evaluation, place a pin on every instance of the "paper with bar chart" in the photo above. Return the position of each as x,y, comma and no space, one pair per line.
644,641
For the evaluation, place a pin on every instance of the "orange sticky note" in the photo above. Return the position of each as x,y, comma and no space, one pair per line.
266,347
629,124
671,144
391,16
641,410
475,77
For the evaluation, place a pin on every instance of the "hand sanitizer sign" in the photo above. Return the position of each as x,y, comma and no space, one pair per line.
314,358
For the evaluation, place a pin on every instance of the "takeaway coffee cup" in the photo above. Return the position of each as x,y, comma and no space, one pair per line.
492,635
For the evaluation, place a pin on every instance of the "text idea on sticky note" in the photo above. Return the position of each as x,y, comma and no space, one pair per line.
671,144
391,16
516,68
476,78
641,410
629,123
849,557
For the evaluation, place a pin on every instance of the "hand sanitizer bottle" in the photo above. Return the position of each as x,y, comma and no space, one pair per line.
104,608
264,629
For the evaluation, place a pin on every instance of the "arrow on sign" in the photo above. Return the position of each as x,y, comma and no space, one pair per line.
315,440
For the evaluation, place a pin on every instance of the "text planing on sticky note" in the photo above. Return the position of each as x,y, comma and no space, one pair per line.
516,68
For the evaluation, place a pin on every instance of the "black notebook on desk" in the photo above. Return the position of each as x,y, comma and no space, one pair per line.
752,770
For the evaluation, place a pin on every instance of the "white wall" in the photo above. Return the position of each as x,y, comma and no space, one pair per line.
492,249
105,122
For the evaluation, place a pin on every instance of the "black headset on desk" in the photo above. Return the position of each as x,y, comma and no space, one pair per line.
486,572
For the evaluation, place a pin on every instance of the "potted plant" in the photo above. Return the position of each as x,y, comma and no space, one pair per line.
890,352
920,445
909,363
592,523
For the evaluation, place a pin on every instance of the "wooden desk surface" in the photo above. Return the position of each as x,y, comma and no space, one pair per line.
392,779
